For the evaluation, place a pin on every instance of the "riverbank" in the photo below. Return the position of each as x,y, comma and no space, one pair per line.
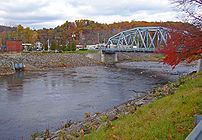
176,116
43,61
171,117
47,61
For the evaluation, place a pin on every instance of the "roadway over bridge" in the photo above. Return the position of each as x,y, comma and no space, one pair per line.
140,39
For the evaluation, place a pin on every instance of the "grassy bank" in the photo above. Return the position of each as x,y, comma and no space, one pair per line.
170,117
151,57
84,51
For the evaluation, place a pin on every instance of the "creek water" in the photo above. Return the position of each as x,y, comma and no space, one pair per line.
34,101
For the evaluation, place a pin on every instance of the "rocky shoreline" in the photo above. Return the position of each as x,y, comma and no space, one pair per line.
93,122
43,61
48,61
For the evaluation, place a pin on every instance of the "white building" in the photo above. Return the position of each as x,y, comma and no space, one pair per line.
26,46
38,46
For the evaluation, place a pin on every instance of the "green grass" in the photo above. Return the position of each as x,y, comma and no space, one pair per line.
160,56
77,51
151,57
81,51
170,117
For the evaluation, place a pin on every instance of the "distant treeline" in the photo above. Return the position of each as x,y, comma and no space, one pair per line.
81,31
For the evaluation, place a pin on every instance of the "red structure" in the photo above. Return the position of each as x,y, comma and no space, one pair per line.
14,46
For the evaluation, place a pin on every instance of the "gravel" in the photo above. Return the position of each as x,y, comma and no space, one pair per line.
43,61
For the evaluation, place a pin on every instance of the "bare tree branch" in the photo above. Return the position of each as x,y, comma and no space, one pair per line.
192,10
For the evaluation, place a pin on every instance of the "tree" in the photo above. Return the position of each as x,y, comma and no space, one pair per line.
46,46
27,35
53,45
63,47
73,44
184,45
35,36
69,47
191,10
19,32
185,41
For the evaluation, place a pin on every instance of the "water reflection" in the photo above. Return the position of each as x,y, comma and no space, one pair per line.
14,86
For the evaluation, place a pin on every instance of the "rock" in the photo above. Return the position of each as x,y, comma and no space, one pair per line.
67,136
121,109
112,115
128,104
54,136
126,113
97,119
139,103
132,102
39,138
76,127
148,98
42,61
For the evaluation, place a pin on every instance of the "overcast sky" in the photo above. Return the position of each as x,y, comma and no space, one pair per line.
50,13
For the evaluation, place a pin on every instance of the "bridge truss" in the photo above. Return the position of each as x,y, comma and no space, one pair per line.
138,39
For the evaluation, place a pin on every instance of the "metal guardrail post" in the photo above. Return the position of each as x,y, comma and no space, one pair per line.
196,133
198,118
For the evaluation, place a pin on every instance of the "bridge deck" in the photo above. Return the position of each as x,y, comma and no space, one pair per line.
143,50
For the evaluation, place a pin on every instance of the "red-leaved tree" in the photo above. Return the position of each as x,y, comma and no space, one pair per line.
185,44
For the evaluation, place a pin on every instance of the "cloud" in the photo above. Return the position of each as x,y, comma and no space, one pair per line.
50,13
120,7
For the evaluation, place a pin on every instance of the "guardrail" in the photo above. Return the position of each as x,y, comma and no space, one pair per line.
196,133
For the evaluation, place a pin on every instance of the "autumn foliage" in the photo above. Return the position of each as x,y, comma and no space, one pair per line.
85,31
185,44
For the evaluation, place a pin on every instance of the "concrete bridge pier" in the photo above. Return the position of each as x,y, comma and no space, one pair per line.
109,57
102,56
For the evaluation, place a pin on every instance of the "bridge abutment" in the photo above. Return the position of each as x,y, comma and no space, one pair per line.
109,57
104,57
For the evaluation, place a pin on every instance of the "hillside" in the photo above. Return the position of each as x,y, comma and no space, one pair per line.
6,28
81,31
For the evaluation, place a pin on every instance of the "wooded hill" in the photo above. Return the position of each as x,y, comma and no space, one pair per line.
81,31
6,28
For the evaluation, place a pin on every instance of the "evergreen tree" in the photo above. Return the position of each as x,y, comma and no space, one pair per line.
46,47
53,45
73,46
69,47
64,47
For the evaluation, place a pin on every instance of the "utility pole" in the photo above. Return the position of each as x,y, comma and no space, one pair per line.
48,45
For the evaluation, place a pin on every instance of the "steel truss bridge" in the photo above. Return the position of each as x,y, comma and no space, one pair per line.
140,39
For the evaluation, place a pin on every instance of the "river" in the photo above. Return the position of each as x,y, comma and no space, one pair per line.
34,101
